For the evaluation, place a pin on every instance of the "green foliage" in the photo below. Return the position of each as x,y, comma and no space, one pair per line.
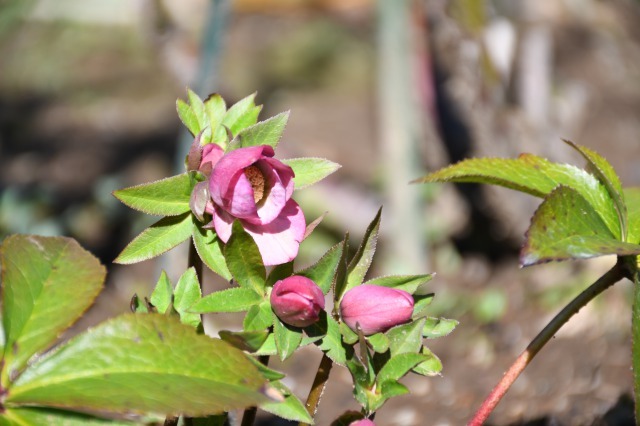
186,293
310,170
323,272
291,408
235,299
166,197
267,132
287,338
244,260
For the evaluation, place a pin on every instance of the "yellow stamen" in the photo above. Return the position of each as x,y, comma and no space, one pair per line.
256,178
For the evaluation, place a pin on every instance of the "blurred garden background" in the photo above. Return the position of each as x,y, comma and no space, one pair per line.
390,89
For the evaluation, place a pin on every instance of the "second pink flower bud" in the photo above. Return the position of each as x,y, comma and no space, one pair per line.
297,301
376,309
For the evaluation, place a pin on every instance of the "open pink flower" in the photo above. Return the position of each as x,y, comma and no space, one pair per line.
249,185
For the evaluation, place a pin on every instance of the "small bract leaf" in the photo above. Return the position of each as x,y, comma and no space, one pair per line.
244,260
242,114
533,175
361,261
408,283
438,327
323,273
398,366
197,106
51,417
379,342
288,338
267,132
160,237
215,108
249,341
166,197
142,363
198,200
310,170
162,295
209,248
188,117
331,343
47,283
632,198
432,366
291,408
259,317
186,293
565,226
280,272
421,304
138,305
235,299
406,338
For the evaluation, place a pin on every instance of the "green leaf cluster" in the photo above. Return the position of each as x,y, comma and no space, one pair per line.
137,367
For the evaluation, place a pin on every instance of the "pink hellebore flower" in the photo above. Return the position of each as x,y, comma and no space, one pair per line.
362,422
297,301
248,184
376,309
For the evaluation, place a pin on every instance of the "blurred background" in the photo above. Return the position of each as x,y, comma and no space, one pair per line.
390,89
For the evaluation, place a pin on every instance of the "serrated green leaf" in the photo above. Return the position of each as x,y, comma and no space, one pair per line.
408,283
390,389
188,117
280,272
244,260
340,281
606,174
160,237
290,409
215,109
420,305
432,366
398,366
242,114
47,283
331,342
267,132
142,363
632,198
197,106
209,248
406,338
162,295
288,338
235,299
51,417
379,342
259,317
267,372
249,341
533,175
268,347
361,261
323,272
566,227
166,197
348,335
186,293
438,327
310,170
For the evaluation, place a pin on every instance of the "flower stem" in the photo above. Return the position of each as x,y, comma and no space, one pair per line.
249,415
317,388
614,275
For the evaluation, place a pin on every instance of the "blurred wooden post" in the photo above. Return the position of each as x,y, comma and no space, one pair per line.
399,121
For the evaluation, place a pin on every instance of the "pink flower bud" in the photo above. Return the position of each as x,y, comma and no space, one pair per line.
362,422
375,308
297,301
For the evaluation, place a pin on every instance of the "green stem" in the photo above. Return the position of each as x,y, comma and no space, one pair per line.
249,415
317,388
615,274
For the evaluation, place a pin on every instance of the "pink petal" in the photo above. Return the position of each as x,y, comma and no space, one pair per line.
279,240
211,153
284,172
225,173
241,204
223,222
275,197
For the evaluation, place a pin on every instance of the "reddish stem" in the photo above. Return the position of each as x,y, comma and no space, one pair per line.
614,275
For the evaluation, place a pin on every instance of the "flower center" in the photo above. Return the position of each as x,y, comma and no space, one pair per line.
256,179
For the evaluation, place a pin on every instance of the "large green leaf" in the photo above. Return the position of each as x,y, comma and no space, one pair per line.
186,293
166,197
536,176
310,170
398,366
141,363
431,366
209,248
323,272
267,132
359,265
438,327
160,237
288,338
235,299
566,227
48,282
632,198
51,417
606,174
406,338
244,260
